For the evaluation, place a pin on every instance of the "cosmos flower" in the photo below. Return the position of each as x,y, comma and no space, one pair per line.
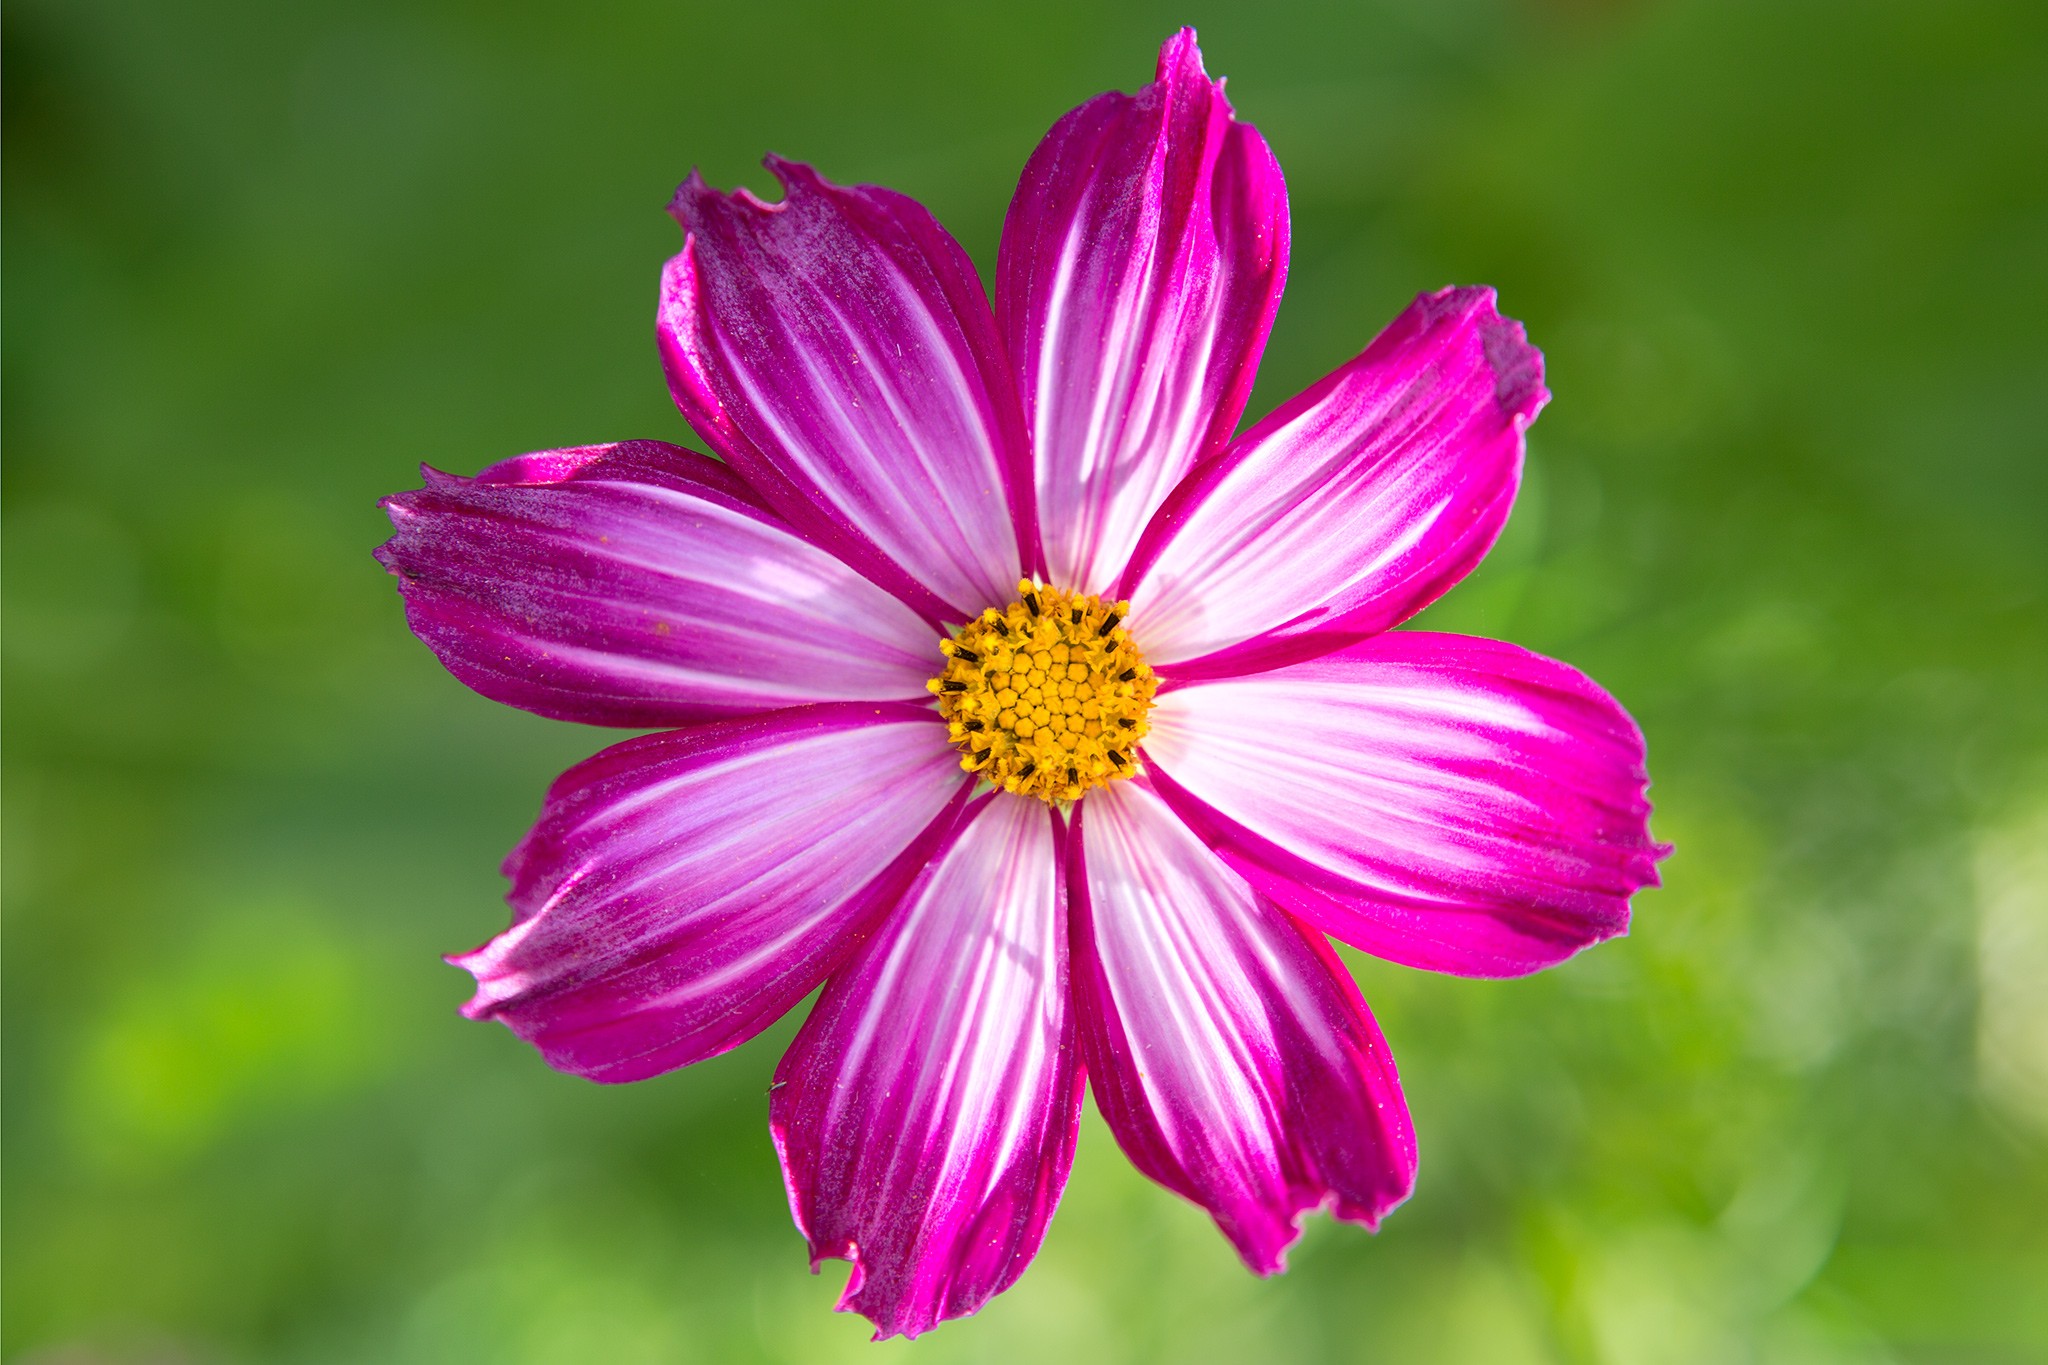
1007,693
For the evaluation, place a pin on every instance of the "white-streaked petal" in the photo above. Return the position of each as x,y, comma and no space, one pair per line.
1350,508
1140,267
838,349
640,584
1231,1053
683,890
1437,800
926,1113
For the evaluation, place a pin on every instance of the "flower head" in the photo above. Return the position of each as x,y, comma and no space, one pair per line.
1047,697
1007,691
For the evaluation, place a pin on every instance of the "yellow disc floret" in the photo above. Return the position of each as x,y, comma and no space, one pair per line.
1046,697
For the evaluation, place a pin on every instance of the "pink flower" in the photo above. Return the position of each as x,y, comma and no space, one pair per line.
1008,693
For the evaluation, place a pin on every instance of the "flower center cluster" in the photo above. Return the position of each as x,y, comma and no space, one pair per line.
1048,696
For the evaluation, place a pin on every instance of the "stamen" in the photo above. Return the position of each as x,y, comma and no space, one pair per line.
1032,693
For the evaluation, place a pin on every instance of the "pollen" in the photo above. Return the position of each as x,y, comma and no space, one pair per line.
1048,696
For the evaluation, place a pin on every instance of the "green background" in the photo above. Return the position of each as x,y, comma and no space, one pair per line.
1789,263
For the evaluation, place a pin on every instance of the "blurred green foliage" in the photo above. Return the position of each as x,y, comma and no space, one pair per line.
1789,262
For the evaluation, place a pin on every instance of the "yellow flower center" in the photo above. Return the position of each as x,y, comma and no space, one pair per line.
1048,696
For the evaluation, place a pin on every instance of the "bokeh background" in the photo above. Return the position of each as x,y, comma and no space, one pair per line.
1789,262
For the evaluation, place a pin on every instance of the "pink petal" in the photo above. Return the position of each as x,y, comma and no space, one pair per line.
926,1113
640,584
1230,1051
1353,506
1444,802
1140,267
682,891
838,350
